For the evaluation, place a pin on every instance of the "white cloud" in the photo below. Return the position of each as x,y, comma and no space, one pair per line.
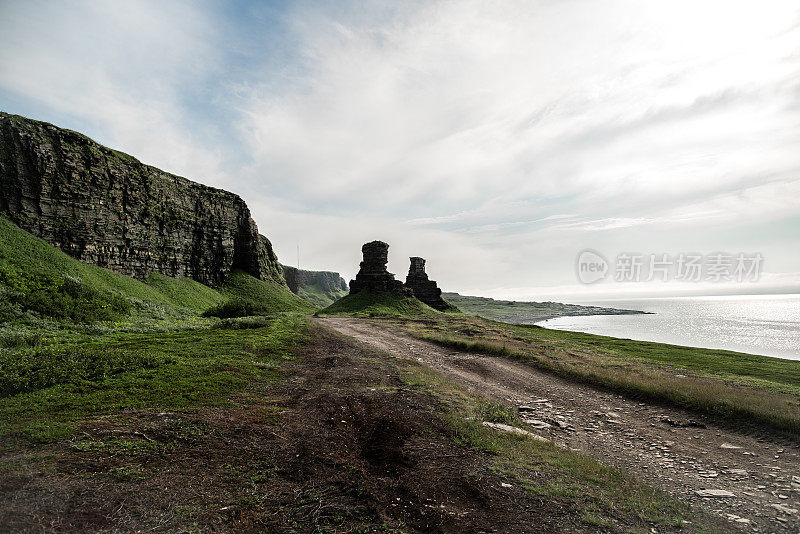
119,69
463,101
496,139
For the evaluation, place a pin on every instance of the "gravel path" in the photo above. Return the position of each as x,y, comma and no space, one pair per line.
752,481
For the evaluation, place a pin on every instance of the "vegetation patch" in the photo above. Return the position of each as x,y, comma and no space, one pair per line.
66,299
366,304
28,264
744,389
249,296
40,283
272,424
185,292
31,370
45,390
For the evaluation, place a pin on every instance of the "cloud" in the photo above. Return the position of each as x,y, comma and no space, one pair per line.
495,138
120,72
460,102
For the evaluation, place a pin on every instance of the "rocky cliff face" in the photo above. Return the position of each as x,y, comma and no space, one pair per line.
107,208
328,281
318,287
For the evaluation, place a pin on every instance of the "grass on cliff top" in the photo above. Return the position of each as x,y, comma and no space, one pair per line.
366,304
743,389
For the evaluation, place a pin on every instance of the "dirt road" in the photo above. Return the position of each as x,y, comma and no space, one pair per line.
752,481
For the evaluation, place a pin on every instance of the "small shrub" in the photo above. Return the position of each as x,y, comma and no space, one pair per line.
242,323
497,412
233,308
69,299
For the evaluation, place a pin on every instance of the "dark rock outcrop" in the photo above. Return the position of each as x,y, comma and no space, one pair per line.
424,289
373,276
109,209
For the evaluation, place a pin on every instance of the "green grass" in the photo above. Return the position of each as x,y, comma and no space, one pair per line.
366,304
38,281
729,386
318,296
721,362
105,374
28,264
68,299
42,367
250,296
185,292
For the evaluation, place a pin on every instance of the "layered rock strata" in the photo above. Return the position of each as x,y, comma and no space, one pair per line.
372,275
424,289
107,208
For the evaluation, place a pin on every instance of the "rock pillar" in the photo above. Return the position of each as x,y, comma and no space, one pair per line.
373,276
424,289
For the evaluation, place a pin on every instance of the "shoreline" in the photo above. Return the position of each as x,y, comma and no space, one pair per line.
539,319
666,340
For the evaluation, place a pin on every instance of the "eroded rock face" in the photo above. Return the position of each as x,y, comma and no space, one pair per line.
373,276
424,289
327,281
322,288
109,209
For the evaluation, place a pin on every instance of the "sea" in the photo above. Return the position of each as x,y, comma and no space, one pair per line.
756,324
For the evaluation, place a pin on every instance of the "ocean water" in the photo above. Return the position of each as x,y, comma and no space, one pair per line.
757,324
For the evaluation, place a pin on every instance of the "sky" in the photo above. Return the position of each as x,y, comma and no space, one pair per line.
498,140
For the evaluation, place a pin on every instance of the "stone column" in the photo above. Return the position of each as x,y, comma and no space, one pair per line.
424,289
373,276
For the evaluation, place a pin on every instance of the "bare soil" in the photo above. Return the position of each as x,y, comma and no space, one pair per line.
674,450
340,445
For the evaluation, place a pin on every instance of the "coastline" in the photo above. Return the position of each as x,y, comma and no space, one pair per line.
527,319
521,312
760,325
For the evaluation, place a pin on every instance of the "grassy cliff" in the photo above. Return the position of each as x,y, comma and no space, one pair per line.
38,282
321,288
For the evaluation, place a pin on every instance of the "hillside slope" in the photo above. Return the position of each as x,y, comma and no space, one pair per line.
368,304
321,288
39,281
